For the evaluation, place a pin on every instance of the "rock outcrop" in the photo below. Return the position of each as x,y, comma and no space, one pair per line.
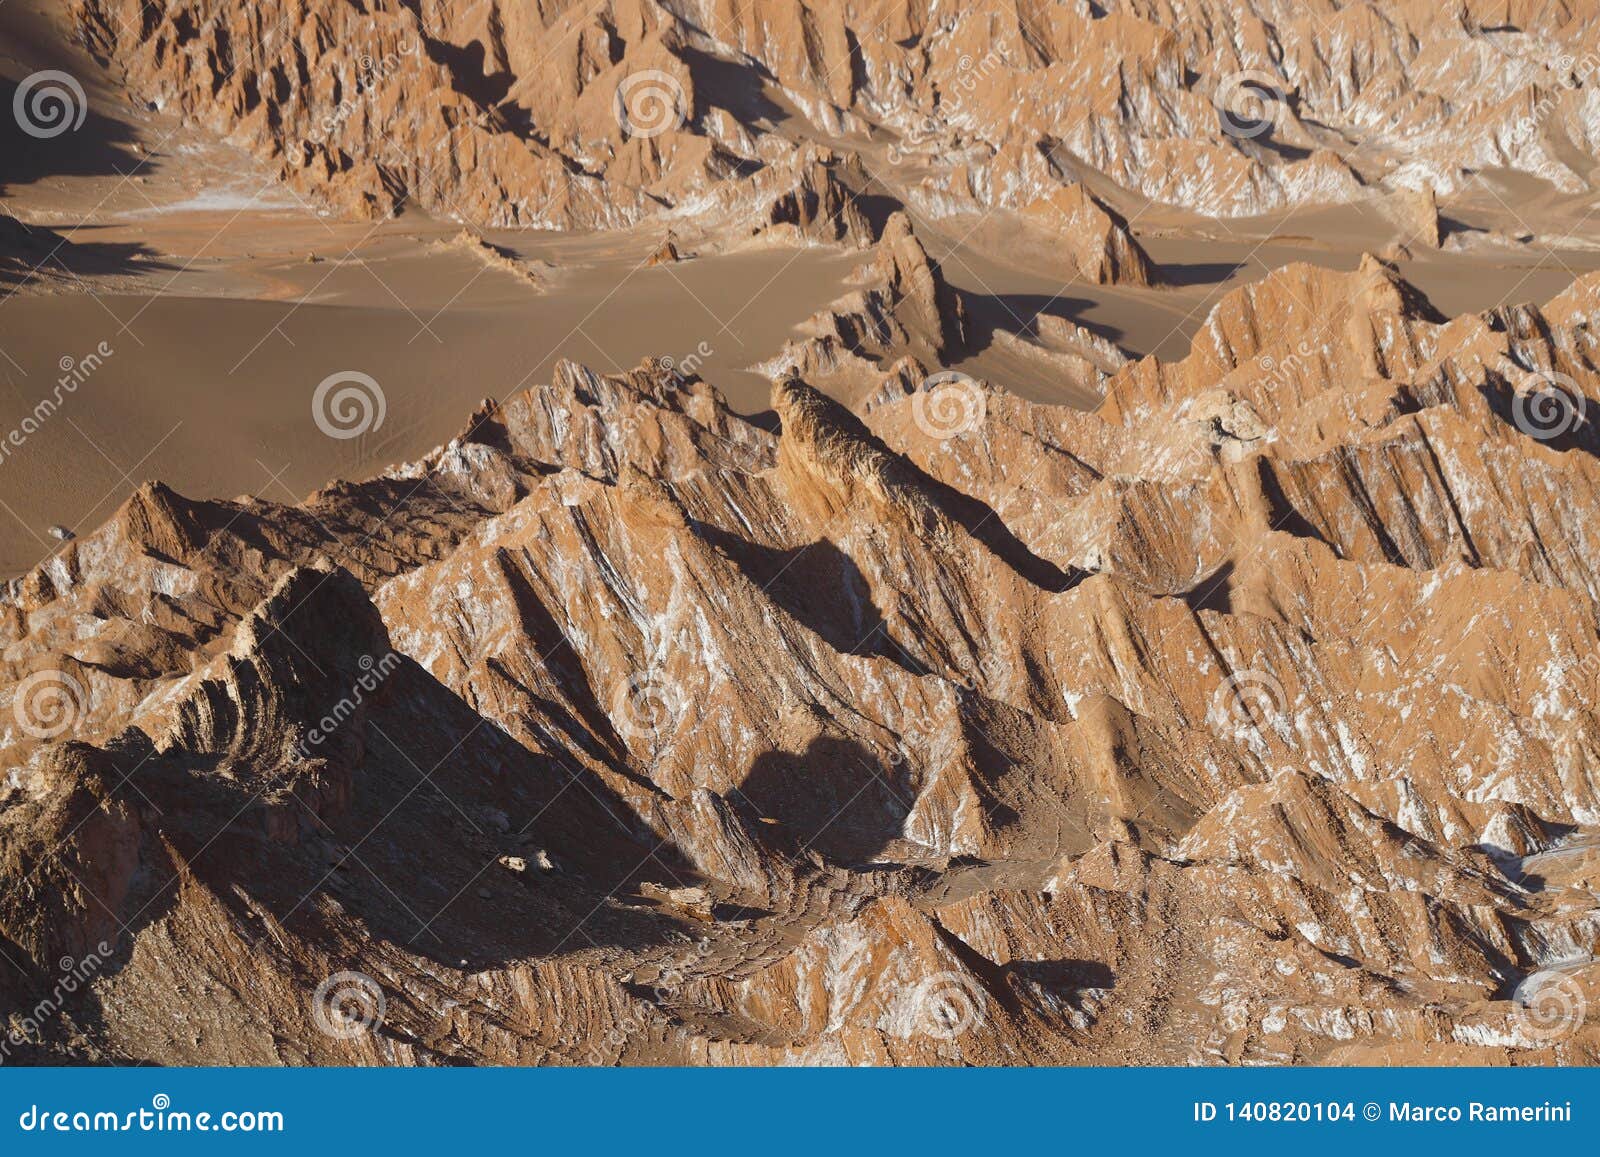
1416,212
1247,713
903,308
1245,719
597,116
1094,239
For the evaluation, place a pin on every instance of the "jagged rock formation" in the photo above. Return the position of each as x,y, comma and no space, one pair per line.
667,253
568,115
904,307
811,197
1249,718
1094,239
1416,211
530,272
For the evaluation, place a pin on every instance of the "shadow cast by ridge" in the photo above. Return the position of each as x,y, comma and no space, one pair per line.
834,798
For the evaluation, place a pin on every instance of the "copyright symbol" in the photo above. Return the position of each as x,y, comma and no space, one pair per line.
1371,1111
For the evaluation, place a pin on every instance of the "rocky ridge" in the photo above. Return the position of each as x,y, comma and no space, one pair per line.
561,115
1248,718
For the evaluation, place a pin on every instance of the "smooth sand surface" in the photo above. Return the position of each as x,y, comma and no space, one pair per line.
213,395
983,263
225,299
215,359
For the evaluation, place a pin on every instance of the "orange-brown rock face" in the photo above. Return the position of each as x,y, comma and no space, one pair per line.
904,307
1093,238
569,115
1249,718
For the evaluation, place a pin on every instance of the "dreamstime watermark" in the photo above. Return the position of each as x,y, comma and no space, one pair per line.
645,705
631,419
1244,695
348,1005
689,365
1547,405
369,74
75,371
348,404
74,974
1574,73
49,103
944,1006
667,984
1249,102
949,404
371,678
648,103
1282,371
160,1117
953,111
47,703
1549,1006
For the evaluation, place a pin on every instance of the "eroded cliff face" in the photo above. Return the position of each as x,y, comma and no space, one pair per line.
1249,718
600,115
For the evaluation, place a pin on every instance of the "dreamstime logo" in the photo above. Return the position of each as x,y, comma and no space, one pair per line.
1550,1006
946,1005
649,103
1249,102
1547,405
369,74
948,404
75,371
73,975
371,678
49,103
645,706
952,112
689,365
47,703
156,1119
1243,691
348,1005
348,404
1571,73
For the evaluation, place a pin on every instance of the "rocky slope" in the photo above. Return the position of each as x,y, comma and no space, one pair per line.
576,115
1249,718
